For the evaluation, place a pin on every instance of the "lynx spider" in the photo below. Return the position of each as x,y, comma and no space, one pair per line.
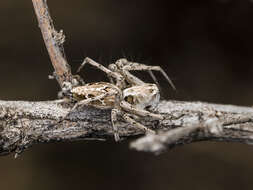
127,95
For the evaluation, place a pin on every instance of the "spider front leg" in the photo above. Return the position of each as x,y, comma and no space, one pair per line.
125,66
119,79
93,63
142,67
131,79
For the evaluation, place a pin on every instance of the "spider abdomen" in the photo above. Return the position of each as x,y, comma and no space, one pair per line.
93,90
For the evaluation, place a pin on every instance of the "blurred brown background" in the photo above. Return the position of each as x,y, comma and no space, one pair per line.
205,47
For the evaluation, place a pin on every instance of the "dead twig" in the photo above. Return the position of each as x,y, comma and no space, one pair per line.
54,42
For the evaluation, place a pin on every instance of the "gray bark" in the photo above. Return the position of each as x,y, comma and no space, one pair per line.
23,124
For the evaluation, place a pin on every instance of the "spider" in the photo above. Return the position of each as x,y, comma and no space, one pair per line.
126,95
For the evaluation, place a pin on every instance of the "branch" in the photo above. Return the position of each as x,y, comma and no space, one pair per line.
23,124
54,42
197,122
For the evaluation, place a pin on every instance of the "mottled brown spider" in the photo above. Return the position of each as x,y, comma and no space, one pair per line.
127,95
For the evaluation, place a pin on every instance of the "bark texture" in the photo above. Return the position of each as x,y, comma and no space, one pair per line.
23,124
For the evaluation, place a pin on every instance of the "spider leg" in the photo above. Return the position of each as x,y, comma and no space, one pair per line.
132,66
114,114
121,63
121,83
128,119
118,67
154,79
132,109
93,63
133,80
117,110
110,74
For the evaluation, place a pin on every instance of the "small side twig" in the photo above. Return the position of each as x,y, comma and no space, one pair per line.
221,124
54,42
159,143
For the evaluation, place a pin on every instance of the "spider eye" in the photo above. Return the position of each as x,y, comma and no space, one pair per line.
129,99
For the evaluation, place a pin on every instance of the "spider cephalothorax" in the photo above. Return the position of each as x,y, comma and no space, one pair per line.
127,95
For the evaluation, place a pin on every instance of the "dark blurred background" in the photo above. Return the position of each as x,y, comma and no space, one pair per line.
205,47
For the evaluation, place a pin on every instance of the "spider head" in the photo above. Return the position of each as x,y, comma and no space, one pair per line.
121,63
142,96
